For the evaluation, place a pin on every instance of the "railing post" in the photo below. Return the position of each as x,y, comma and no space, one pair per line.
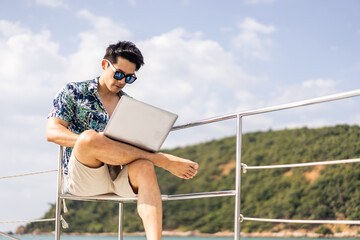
121,214
60,190
238,177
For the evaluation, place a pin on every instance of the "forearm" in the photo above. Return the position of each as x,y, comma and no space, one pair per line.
64,137
60,135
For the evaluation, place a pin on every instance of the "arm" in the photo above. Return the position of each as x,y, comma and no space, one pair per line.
57,132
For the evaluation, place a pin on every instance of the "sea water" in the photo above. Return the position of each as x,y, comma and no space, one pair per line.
67,237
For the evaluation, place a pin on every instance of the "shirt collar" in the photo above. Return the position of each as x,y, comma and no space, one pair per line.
94,83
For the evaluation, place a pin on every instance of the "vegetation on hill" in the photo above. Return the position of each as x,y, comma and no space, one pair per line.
326,192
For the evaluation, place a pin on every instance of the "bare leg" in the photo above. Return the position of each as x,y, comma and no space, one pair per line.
94,149
143,180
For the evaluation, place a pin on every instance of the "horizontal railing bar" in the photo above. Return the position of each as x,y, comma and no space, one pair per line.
115,198
351,222
201,195
28,174
9,236
328,98
28,221
331,162
105,197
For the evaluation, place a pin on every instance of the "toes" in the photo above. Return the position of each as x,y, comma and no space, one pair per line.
195,166
191,172
188,175
185,176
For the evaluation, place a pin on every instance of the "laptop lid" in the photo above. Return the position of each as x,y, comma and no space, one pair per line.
139,124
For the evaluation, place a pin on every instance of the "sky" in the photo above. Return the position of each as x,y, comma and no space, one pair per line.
203,58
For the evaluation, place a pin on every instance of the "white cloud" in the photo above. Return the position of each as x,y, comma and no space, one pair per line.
316,115
311,88
52,3
113,31
251,25
197,77
311,116
253,40
30,63
85,62
9,29
319,83
30,73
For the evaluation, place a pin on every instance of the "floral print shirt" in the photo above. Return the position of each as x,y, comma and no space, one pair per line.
79,104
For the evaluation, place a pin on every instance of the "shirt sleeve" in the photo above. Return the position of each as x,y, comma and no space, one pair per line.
64,104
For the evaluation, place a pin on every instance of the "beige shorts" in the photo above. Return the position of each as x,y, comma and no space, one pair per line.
85,181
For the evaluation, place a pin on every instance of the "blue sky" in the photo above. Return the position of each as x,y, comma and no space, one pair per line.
203,58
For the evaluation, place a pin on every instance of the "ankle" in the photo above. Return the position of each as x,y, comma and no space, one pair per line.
160,159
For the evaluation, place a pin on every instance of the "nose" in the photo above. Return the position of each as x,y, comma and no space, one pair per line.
122,81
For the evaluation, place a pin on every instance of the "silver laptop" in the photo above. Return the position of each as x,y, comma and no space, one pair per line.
139,124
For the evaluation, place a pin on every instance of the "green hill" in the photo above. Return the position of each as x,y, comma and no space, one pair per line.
326,192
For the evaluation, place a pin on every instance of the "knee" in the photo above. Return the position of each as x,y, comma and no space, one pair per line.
89,138
145,166
142,175
142,169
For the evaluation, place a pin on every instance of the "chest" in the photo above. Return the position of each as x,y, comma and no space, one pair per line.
93,112
110,104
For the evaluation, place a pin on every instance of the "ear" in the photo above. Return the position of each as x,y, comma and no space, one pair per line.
104,63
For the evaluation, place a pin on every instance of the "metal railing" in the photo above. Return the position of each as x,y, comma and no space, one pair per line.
238,218
239,115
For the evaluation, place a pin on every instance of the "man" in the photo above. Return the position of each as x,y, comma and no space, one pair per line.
80,113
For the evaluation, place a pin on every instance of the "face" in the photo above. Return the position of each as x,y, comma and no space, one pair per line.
107,78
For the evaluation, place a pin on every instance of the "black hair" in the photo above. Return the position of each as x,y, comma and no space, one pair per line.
126,50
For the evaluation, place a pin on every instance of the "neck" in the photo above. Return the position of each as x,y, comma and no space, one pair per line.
103,90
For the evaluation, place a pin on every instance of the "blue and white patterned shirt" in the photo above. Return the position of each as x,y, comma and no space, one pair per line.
79,104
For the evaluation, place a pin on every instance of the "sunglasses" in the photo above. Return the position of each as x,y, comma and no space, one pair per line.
130,78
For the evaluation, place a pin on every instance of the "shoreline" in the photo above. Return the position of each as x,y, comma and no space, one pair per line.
280,234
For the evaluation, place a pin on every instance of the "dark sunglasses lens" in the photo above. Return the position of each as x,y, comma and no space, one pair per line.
130,79
119,75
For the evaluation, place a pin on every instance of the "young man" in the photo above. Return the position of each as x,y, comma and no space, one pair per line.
80,113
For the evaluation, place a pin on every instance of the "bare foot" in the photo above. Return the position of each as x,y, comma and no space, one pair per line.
180,167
